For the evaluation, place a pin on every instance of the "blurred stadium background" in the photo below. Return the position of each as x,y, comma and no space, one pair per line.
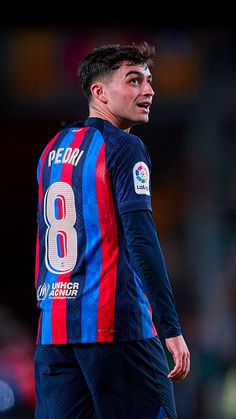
191,138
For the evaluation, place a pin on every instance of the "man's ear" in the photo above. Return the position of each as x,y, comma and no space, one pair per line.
98,91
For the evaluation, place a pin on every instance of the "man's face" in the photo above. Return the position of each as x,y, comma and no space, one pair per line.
129,94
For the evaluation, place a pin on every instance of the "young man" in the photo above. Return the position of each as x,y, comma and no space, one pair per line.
99,267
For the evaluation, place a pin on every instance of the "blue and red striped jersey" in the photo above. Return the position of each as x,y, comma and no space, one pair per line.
87,290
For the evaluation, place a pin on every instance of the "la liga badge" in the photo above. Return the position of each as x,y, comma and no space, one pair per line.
141,177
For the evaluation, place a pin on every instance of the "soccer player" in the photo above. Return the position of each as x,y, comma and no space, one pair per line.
100,271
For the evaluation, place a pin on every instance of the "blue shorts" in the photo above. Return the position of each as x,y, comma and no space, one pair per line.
120,380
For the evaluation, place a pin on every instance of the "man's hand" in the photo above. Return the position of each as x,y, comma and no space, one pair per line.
177,346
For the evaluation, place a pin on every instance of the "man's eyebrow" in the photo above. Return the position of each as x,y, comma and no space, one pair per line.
137,73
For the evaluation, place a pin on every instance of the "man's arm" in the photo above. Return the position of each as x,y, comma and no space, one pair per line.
147,257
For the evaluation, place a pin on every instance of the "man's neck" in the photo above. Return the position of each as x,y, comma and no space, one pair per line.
108,116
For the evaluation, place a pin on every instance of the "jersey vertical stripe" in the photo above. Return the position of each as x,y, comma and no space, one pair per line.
39,328
93,252
154,332
37,257
109,248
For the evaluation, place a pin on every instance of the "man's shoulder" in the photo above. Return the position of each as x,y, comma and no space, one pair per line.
117,137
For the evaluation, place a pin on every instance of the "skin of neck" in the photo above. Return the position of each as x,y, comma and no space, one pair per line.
104,112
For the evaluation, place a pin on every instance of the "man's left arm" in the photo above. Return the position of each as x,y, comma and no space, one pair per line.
147,257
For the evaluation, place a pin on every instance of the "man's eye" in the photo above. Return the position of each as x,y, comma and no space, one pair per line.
134,81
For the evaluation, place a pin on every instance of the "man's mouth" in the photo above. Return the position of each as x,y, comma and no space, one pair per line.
144,105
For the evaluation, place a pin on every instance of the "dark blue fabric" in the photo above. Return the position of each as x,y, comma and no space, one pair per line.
148,261
119,380
61,389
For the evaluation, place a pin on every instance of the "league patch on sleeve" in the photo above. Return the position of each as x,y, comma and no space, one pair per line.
141,178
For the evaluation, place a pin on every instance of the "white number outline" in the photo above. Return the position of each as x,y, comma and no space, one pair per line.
63,226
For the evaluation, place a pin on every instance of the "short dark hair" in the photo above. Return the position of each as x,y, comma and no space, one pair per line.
102,61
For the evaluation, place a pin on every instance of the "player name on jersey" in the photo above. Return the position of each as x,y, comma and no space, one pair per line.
65,155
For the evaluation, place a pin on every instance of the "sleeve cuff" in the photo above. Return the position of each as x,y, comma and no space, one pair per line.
172,332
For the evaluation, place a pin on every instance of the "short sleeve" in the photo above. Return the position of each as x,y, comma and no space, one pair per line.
131,176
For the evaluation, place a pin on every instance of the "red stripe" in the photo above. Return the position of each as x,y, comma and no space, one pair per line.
37,258
109,246
39,327
150,311
153,326
59,330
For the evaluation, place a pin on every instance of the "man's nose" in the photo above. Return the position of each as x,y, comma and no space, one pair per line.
148,90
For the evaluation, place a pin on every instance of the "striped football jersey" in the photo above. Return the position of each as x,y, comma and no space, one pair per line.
86,285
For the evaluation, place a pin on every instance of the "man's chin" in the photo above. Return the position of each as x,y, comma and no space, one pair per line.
143,120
